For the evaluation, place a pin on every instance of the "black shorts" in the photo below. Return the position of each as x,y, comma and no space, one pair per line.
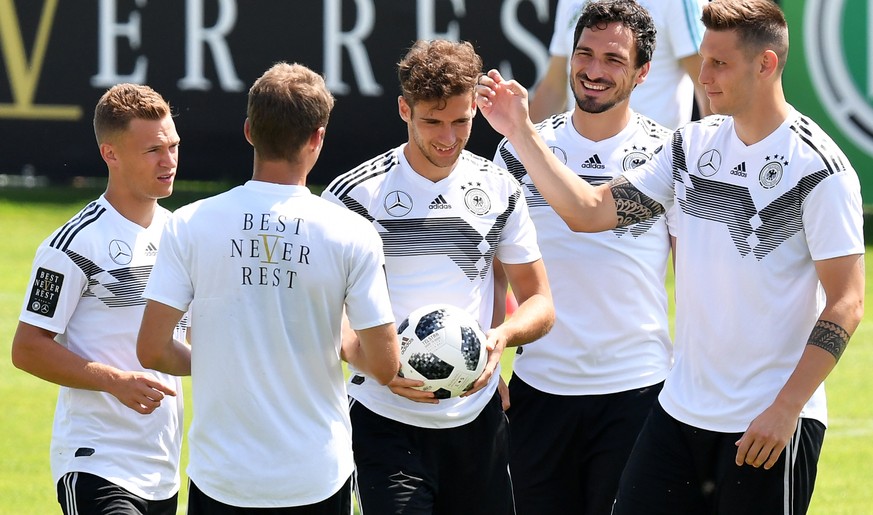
82,493
421,471
339,503
567,451
677,468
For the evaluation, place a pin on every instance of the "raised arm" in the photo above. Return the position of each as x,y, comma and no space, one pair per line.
584,208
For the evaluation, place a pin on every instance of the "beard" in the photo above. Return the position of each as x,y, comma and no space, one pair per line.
591,105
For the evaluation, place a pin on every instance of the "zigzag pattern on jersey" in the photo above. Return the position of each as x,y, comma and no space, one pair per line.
733,206
450,236
88,215
126,290
535,199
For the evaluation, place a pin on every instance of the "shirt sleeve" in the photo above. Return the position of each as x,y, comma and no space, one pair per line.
833,217
170,282
367,301
683,32
55,288
566,14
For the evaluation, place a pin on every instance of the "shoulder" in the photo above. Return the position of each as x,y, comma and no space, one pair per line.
369,170
816,146
79,228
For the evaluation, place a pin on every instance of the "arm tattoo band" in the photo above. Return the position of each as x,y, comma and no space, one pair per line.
830,337
631,205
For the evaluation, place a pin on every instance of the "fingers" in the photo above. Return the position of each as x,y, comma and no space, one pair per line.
757,452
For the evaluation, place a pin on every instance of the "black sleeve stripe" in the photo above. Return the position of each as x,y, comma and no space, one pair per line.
87,216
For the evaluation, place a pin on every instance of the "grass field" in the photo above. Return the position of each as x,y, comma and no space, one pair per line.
28,216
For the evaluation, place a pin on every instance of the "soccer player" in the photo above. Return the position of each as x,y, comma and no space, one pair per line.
267,269
118,426
769,274
671,87
444,214
580,395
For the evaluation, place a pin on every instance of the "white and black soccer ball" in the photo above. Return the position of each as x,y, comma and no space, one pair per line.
443,346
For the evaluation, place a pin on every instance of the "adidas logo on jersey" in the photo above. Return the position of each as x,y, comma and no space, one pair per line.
739,170
151,250
439,203
593,162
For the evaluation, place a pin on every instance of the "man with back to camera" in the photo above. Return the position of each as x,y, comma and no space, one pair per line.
768,221
444,215
580,395
267,269
118,427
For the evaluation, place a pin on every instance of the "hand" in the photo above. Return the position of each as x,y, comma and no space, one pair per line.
503,103
766,437
495,344
404,388
140,391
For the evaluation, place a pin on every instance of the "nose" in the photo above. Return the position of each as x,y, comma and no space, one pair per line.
170,158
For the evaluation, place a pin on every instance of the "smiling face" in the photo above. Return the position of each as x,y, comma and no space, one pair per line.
142,159
602,73
728,72
438,132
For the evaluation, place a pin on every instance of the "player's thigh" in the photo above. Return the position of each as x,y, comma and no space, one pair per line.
610,429
786,488
391,473
544,433
81,493
474,465
660,475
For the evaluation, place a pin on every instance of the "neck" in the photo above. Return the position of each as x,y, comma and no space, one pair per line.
422,166
280,172
761,118
601,126
140,211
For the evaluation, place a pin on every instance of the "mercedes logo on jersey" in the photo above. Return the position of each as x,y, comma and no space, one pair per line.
709,163
398,203
120,252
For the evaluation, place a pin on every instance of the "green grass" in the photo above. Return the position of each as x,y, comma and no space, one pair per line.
28,216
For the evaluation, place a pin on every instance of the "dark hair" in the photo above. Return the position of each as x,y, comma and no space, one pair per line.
627,12
286,105
125,102
760,24
438,70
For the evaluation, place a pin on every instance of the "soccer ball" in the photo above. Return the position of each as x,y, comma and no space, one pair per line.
443,346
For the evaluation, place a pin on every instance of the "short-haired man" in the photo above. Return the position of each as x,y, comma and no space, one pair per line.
769,274
118,427
267,269
444,215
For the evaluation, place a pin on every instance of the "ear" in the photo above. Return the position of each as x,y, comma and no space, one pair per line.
317,139
474,106
643,73
247,130
404,109
769,62
107,152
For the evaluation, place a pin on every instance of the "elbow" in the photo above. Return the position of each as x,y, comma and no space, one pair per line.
147,358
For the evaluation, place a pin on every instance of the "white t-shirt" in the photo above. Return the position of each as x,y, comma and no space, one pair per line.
750,224
86,286
440,239
611,332
667,95
266,270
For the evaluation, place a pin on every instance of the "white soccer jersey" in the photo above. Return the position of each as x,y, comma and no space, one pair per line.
667,95
440,239
266,269
611,332
750,222
86,285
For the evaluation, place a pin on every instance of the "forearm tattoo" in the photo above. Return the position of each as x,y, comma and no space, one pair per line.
830,337
631,205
